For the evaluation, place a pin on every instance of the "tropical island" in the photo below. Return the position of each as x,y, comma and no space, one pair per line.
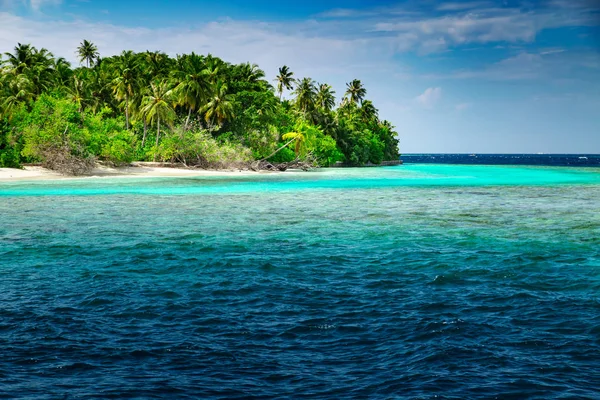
192,110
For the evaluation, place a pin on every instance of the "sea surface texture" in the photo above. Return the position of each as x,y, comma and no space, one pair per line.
418,281
568,160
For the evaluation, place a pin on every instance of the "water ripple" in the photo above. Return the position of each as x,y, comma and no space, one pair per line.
417,293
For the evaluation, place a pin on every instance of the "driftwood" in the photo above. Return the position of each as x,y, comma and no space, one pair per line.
305,164
62,160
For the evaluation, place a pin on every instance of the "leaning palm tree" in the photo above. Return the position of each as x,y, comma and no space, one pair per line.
325,97
88,52
158,107
355,92
306,92
284,80
220,105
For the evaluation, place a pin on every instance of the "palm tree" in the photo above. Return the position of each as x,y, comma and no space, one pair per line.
21,58
303,135
252,73
62,71
306,92
124,85
79,93
193,85
355,92
284,80
214,68
369,112
88,52
18,90
37,65
219,106
157,106
325,97
157,64
138,108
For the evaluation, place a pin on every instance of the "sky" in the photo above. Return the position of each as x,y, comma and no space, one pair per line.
456,76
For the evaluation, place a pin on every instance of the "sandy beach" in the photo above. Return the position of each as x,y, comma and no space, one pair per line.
136,170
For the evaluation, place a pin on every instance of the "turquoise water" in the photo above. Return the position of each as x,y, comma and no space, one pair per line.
415,281
424,175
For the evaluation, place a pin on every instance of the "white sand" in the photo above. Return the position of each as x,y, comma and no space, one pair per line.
137,171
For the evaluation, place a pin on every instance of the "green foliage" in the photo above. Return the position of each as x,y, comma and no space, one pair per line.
119,108
309,140
201,149
9,149
326,151
109,141
53,134
50,124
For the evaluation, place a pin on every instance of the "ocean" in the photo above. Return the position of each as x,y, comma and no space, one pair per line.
421,281
562,160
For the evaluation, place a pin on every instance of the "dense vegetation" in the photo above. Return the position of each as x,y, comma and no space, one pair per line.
193,109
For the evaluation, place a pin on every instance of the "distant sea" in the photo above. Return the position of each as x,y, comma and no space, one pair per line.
420,281
565,160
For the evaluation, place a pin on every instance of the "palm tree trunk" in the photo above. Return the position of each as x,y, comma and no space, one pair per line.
127,111
157,136
145,131
278,150
187,121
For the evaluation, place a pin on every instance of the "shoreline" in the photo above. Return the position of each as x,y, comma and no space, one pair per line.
136,170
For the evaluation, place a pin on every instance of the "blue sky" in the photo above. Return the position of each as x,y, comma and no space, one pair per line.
453,76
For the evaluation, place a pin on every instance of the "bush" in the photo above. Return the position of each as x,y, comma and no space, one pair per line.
200,149
53,134
9,149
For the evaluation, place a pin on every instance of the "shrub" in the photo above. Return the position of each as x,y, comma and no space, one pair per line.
53,134
200,149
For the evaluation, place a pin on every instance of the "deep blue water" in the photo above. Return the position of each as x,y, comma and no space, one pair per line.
563,160
419,281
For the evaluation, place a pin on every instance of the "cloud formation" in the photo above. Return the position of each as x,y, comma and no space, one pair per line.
34,5
430,97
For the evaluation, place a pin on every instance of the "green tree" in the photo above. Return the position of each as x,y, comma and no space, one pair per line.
124,84
158,107
325,97
193,86
306,93
285,80
18,90
369,112
88,52
355,92
219,107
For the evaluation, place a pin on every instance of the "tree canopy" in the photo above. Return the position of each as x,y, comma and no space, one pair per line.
196,104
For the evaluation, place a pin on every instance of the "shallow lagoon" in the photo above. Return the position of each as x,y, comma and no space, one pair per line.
416,281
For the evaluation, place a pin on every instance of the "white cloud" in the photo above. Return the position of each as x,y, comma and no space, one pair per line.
462,6
547,65
459,24
334,60
430,97
38,4
462,106
35,5
268,45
